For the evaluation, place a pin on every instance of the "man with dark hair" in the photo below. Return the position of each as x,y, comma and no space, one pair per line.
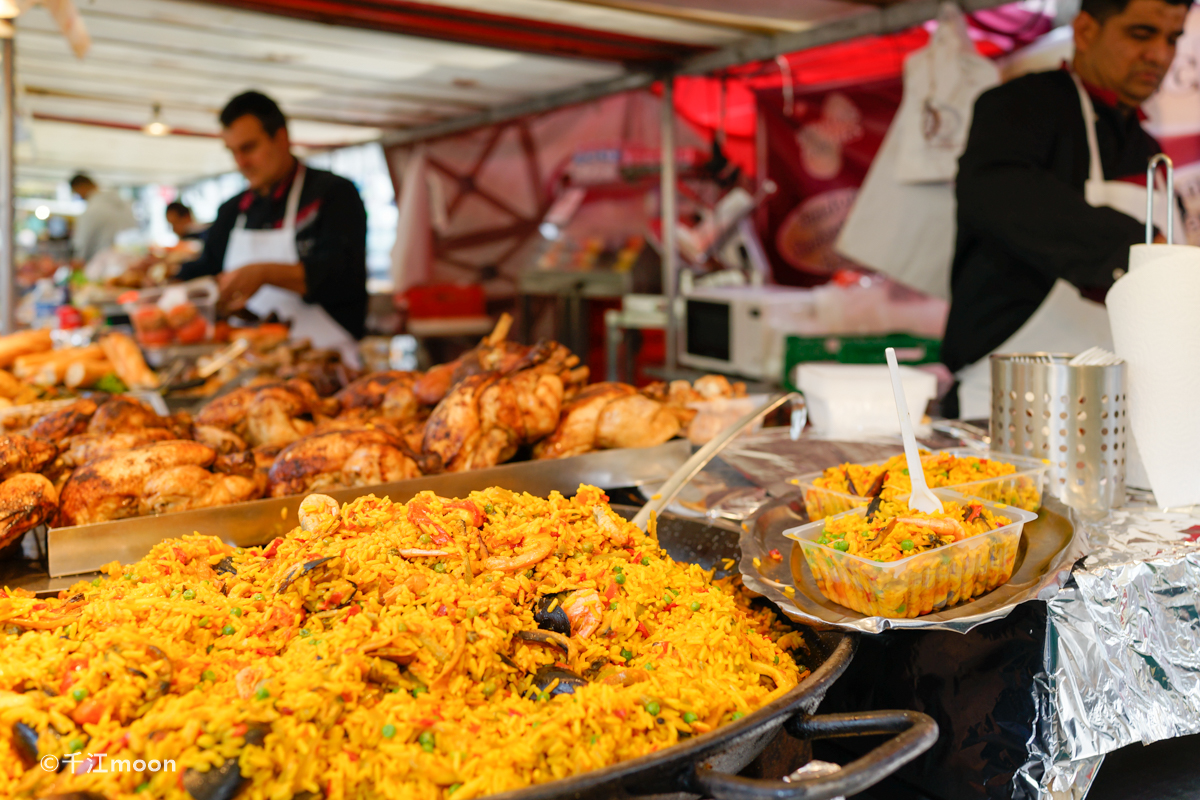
294,244
1051,194
183,223
97,227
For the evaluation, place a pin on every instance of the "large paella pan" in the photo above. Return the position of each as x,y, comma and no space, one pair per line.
496,644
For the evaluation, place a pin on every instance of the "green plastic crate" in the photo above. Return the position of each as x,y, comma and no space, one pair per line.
857,350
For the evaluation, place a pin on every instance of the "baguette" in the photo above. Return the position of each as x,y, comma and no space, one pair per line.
127,360
23,343
27,365
84,374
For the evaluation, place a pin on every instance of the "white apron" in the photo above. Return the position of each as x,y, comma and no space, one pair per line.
1065,322
278,245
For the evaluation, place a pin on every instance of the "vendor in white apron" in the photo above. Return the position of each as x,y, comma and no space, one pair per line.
293,246
1049,197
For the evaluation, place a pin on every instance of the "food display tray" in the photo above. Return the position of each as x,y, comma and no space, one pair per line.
1049,546
85,548
1031,473
923,582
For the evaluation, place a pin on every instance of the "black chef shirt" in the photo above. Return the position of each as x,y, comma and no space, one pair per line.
331,240
1022,218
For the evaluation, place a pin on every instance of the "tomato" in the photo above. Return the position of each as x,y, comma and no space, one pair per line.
193,332
472,509
155,338
181,315
419,515
150,315
69,678
89,711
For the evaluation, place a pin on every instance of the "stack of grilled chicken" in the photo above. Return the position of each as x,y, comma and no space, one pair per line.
95,461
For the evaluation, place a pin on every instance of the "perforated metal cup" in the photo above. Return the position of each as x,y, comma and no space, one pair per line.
1073,417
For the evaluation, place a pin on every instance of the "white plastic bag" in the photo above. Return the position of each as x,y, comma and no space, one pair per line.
902,223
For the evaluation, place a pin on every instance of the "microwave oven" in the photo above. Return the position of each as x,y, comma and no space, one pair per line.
728,329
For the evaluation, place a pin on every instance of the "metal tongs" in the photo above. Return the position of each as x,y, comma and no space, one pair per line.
1151,170
223,358
699,460
220,359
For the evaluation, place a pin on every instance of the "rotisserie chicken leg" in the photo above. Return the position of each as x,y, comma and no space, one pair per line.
112,487
187,487
337,458
26,501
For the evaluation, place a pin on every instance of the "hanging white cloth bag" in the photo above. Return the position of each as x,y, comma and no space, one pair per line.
902,223
941,84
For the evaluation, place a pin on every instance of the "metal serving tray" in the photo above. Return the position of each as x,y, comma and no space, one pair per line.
86,548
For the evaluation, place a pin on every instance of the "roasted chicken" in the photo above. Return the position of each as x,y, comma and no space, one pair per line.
123,414
487,417
381,394
114,487
494,354
609,415
188,486
223,441
87,447
253,464
353,457
576,430
268,414
26,501
475,426
24,454
708,387
66,421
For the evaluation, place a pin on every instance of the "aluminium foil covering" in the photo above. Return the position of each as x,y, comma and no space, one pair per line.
1122,656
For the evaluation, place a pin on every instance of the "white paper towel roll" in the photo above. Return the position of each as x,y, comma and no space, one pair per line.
1155,316
1142,254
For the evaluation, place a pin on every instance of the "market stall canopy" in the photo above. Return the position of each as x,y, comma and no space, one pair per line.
349,71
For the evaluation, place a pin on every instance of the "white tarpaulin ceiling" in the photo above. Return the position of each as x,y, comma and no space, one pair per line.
349,71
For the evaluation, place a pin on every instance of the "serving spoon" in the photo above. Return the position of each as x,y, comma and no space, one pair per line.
921,498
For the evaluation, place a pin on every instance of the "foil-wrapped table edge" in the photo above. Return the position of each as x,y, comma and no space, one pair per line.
1122,654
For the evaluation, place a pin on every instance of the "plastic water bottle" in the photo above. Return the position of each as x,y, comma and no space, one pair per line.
402,353
46,299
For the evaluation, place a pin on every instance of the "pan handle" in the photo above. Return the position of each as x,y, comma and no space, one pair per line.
915,733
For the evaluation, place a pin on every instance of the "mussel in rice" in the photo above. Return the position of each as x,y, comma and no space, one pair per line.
225,781
548,637
550,615
567,680
876,488
850,481
225,567
302,569
873,507
25,739
340,594
384,672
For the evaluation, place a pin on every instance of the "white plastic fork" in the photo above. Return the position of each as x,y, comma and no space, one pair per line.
921,498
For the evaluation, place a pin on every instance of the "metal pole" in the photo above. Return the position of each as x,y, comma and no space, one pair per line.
669,217
7,179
